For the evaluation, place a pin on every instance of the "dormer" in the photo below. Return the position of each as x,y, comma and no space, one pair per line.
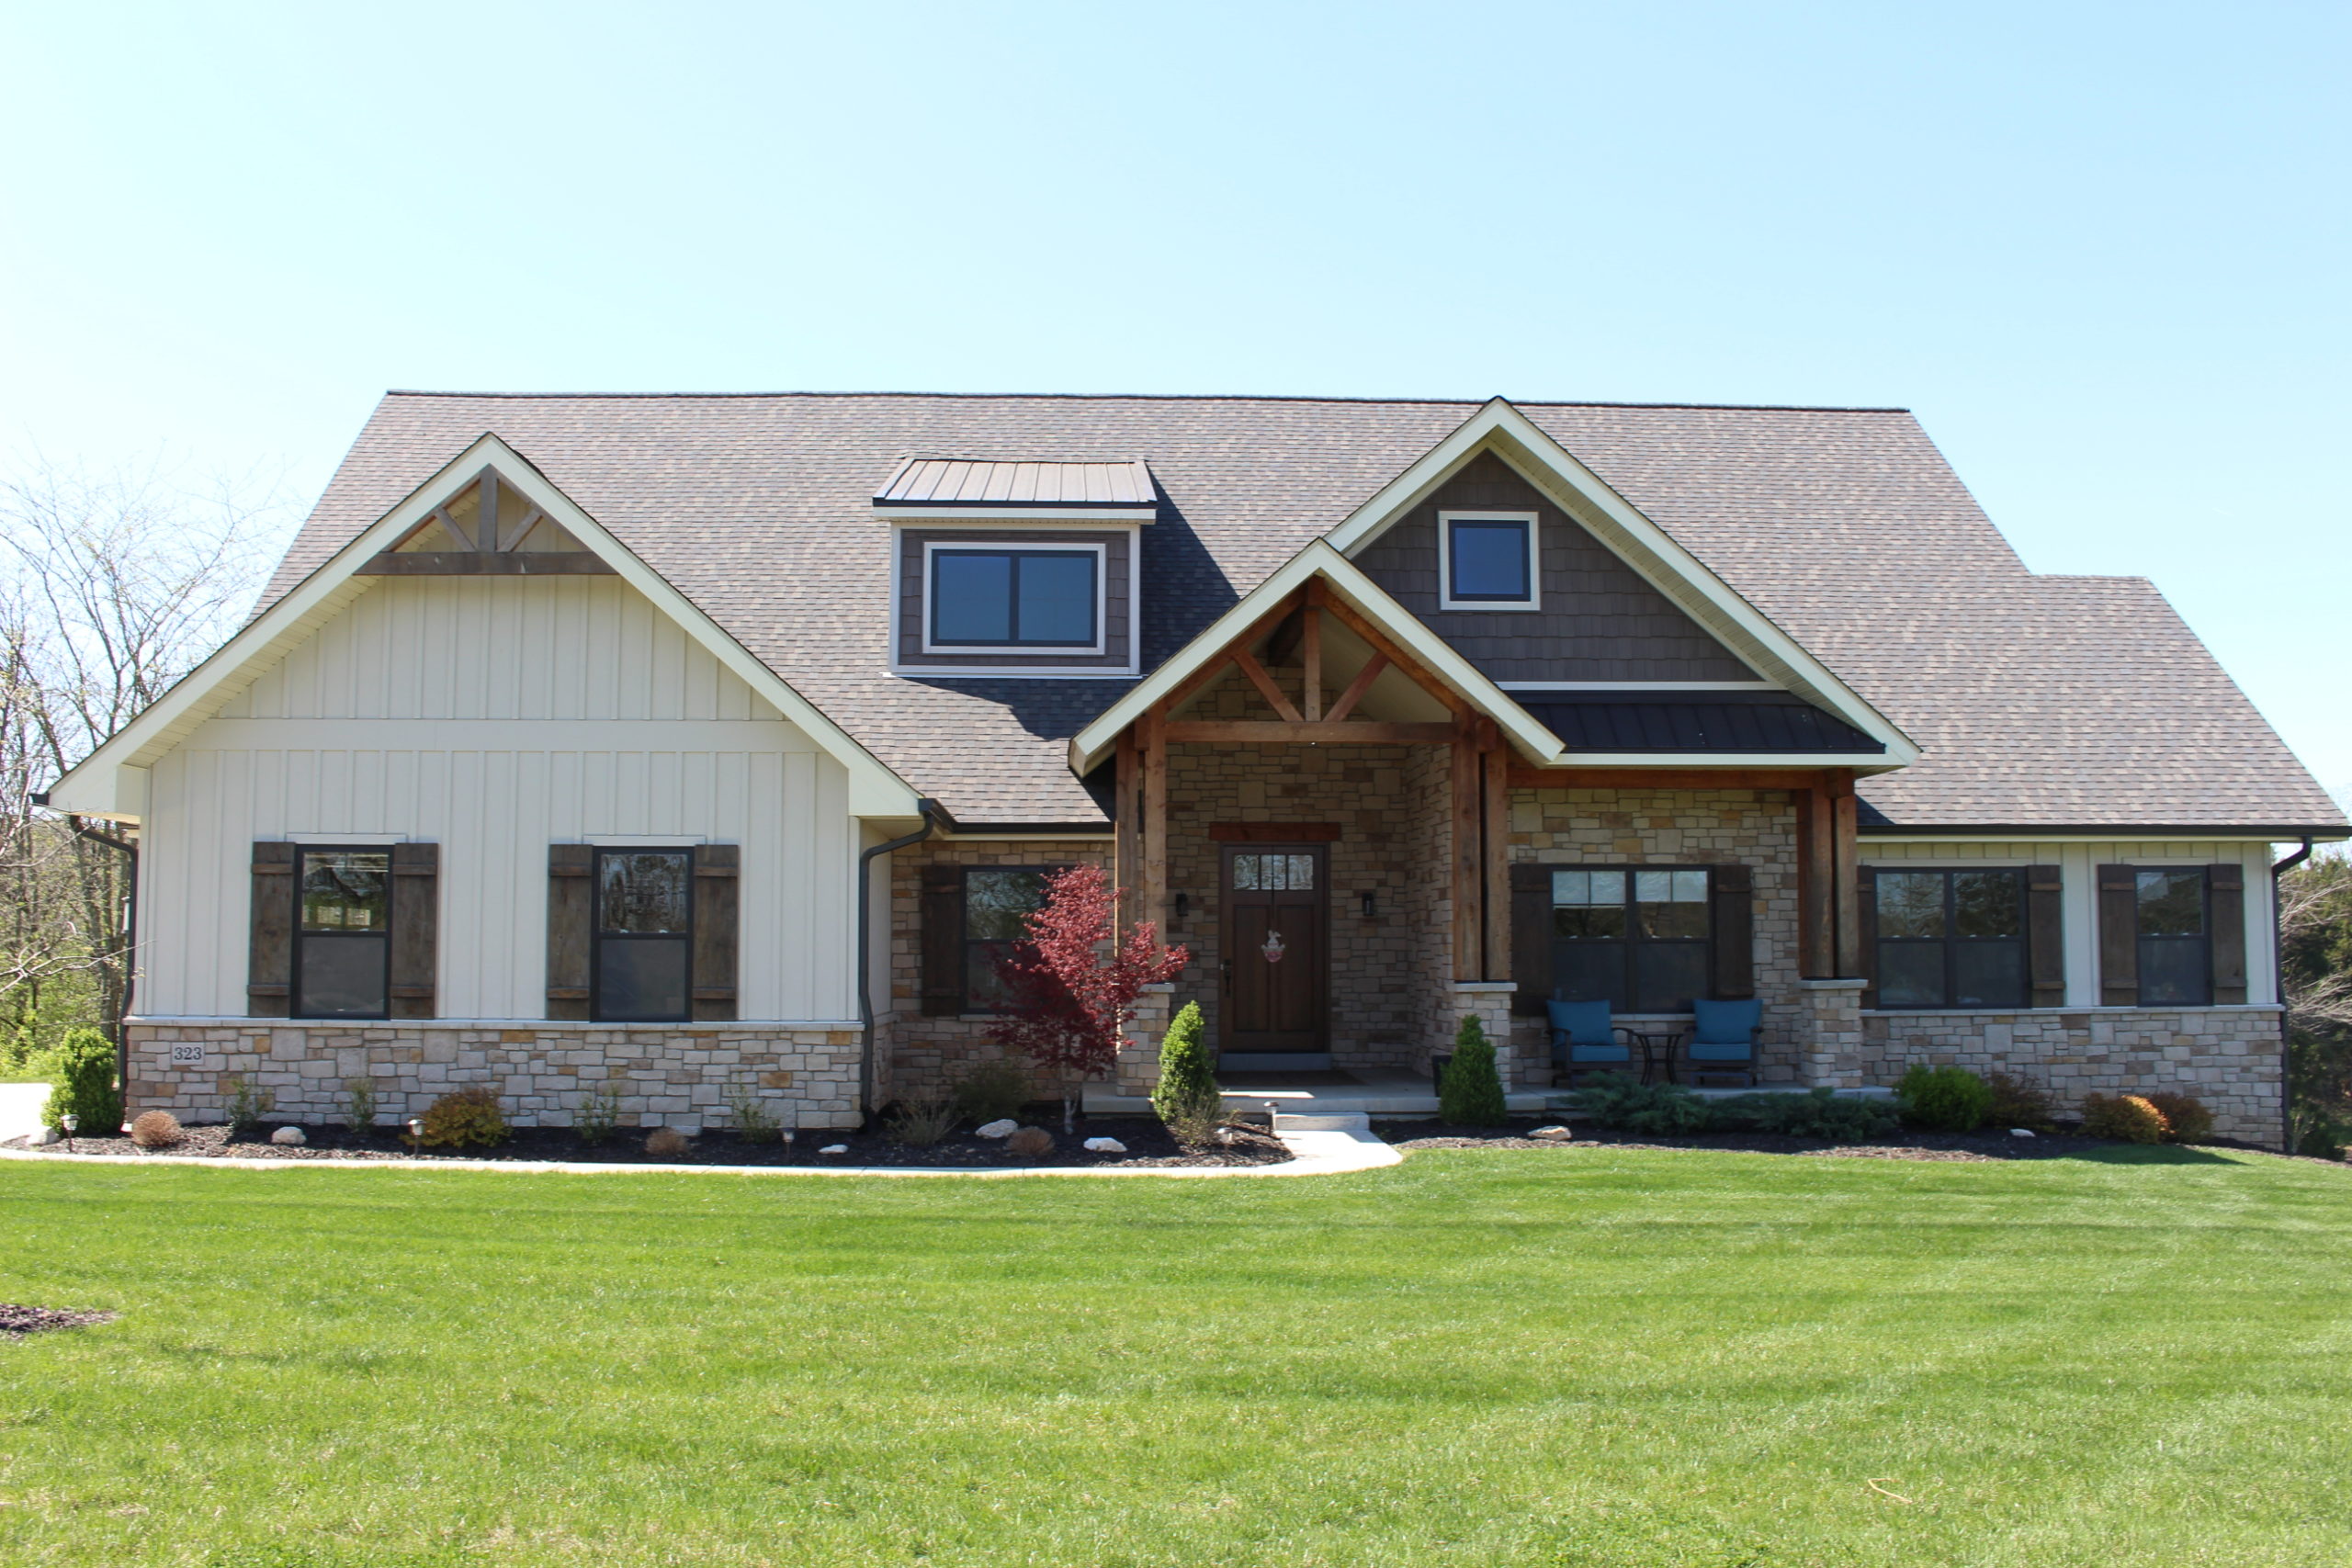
1006,566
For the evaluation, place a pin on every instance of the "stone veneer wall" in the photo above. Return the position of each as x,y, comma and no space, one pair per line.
2227,1056
668,1075
1681,826
914,1052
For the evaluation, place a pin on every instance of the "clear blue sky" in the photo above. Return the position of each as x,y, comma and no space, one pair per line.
2099,248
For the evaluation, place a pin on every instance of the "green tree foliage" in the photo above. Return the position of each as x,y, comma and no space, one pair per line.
2315,954
86,1085
1472,1094
1186,1095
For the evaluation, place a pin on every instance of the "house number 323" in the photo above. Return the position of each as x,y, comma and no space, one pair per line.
187,1056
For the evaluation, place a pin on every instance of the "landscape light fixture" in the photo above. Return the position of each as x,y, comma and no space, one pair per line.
70,1122
416,1132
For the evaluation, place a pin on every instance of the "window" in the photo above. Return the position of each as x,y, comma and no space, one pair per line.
644,927
1952,939
998,901
1274,874
1486,560
1637,938
986,598
2175,962
343,941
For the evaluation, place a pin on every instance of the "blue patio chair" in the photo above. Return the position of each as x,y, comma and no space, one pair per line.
1584,1041
1725,1038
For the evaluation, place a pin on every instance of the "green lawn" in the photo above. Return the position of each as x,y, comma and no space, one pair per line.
1557,1356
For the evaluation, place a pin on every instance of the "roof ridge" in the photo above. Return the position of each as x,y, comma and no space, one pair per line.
1188,398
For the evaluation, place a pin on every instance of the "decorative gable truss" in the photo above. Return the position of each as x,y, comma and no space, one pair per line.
488,510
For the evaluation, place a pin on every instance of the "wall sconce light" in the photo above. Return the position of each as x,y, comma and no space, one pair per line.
1371,904
1183,905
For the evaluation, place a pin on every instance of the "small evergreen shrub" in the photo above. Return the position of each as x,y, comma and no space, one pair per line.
1818,1114
470,1117
599,1113
360,1105
1943,1099
156,1129
925,1116
86,1085
665,1143
2185,1118
1472,1094
1186,1097
1658,1110
992,1091
249,1105
2128,1117
754,1122
2323,1140
2020,1102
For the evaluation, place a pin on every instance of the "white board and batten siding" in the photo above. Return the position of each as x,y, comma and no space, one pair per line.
2079,863
494,717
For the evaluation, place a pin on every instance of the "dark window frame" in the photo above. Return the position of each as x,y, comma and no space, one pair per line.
1452,597
1097,557
1952,941
598,936
2201,944
1631,942
966,942
303,936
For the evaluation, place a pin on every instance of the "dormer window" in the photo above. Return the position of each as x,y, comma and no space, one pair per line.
1486,560
986,600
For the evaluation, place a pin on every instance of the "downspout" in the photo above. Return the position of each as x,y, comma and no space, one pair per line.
2278,983
130,939
865,950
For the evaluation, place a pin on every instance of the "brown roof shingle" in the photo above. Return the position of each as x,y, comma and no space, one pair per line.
2052,700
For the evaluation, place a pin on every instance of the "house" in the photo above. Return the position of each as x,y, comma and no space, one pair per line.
691,747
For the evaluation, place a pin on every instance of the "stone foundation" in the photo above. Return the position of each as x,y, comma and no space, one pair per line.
2228,1057
667,1074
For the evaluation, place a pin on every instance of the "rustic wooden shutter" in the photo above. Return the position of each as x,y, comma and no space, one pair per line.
717,902
1530,936
417,929
570,911
2225,913
1866,918
942,940
2119,937
2045,936
269,956
1732,961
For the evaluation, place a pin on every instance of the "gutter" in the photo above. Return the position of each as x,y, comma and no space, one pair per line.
2278,970
932,814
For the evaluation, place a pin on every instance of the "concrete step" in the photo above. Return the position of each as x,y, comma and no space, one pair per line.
1321,1122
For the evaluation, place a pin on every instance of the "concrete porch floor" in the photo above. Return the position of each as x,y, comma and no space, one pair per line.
1375,1091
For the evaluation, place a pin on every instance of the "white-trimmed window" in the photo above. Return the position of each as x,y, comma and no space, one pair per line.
994,598
1486,560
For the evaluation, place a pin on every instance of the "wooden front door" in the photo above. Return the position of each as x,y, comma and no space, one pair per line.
1277,959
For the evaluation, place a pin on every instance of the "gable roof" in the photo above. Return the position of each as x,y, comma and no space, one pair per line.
111,780
1843,527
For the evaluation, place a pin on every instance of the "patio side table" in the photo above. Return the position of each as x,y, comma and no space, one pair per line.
1658,1048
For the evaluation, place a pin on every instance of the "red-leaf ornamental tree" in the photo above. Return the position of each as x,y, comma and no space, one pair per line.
1069,992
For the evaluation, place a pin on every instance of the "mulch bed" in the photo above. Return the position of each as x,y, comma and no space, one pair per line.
1992,1143
1149,1144
17,1321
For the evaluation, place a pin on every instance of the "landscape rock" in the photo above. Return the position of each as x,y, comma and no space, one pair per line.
1227,1136
1030,1142
43,1136
835,1149
1003,1128
1559,1134
2020,1133
290,1137
1106,1146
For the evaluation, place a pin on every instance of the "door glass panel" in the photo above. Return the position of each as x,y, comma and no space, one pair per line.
643,892
346,891
1274,874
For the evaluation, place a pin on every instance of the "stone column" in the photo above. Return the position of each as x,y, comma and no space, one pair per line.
1489,1002
1138,1068
1829,1033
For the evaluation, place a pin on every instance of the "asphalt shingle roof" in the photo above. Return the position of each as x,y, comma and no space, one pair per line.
2049,700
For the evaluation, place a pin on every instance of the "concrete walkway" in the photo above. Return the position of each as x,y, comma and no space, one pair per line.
20,1106
1317,1152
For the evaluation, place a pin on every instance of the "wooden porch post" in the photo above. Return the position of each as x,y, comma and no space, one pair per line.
1153,745
1816,881
1497,843
1846,870
1469,853
1126,804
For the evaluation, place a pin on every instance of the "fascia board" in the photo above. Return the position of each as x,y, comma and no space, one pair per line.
1648,549
1860,762
1088,747
874,790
